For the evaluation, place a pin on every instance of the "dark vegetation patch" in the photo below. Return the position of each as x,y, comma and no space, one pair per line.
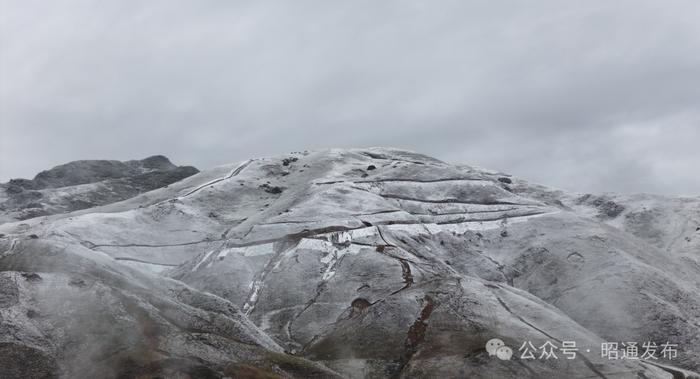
357,306
357,172
23,184
415,334
156,179
275,190
77,282
644,224
31,276
606,207
21,361
22,196
13,189
505,180
360,303
164,368
244,371
117,181
277,366
288,161
32,205
374,155
9,293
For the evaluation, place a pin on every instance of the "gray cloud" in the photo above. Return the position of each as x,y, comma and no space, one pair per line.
592,96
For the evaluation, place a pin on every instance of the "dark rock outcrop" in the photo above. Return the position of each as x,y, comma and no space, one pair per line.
86,184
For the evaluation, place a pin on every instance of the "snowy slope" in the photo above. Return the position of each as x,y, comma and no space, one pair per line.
386,263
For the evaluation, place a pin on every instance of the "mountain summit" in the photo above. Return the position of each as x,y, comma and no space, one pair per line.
368,263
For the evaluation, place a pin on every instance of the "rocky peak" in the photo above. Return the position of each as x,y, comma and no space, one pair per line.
87,183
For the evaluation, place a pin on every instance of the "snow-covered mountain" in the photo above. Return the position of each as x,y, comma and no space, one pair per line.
365,263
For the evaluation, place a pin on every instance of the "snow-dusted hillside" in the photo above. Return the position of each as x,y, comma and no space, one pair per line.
351,263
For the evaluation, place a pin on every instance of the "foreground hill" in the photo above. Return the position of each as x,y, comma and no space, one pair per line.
352,263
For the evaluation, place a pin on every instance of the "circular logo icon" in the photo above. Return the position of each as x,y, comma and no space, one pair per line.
493,345
504,353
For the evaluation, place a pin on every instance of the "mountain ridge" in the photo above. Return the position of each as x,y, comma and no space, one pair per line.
85,184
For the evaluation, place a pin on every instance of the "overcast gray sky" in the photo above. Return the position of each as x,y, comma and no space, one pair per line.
581,95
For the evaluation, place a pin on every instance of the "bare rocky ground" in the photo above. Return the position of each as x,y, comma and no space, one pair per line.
373,263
